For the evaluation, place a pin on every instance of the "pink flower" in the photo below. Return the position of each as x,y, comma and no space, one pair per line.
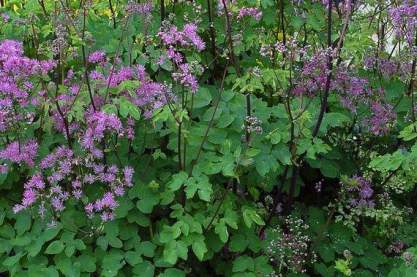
97,57
252,12
20,152
128,174
187,37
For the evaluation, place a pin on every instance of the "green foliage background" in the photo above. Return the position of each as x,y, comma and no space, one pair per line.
209,217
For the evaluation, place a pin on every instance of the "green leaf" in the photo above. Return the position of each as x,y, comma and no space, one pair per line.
329,168
274,137
55,247
23,222
199,248
145,269
138,218
323,269
343,266
173,272
111,229
231,218
202,98
170,233
35,248
170,254
51,233
87,263
238,243
147,249
334,120
221,230
42,271
326,253
21,241
109,109
262,266
133,258
102,242
173,250
67,266
201,185
149,198
124,207
243,263
177,181
79,244
409,133
112,263
7,231
250,215
128,85
69,250
205,193
128,108
11,261
115,242
388,162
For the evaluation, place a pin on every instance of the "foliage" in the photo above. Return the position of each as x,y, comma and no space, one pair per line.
208,138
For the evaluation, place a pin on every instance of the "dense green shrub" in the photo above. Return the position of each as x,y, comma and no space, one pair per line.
208,138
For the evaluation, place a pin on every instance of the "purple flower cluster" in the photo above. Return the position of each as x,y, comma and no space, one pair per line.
18,152
16,85
388,68
382,118
106,205
408,258
404,20
151,96
61,157
97,57
171,36
255,13
361,192
60,166
107,74
185,77
229,5
240,13
98,123
63,174
353,91
17,76
5,17
318,186
59,124
19,67
342,6
139,8
123,74
148,95
393,67
31,192
313,74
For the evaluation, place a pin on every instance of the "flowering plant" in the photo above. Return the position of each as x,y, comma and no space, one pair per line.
207,138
